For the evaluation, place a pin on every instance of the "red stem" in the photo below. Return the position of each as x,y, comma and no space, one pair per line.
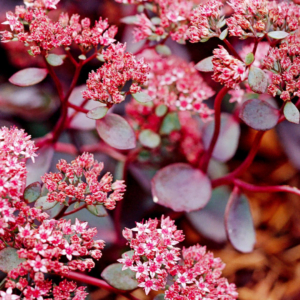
265,189
217,108
78,108
245,164
231,48
99,283
75,210
72,59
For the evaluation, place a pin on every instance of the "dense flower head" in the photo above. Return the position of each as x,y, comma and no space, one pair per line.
44,34
78,182
53,247
228,70
154,258
177,84
205,21
199,277
120,67
253,18
154,252
284,62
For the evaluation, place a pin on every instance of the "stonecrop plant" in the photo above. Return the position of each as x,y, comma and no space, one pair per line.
153,114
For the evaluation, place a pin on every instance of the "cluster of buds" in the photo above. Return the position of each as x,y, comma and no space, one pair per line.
154,258
154,255
45,250
44,34
255,18
206,21
228,70
178,85
78,182
120,67
284,62
172,17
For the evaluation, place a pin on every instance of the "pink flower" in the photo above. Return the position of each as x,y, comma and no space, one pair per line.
8,295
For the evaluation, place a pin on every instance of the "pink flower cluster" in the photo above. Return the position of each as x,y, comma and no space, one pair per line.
78,182
254,18
171,19
284,62
106,84
45,34
154,254
228,70
205,21
46,4
155,258
177,84
44,248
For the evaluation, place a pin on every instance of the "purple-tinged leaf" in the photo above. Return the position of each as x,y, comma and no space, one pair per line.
40,166
121,280
149,139
209,221
230,131
116,132
97,113
9,259
238,222
181,187
259,114
278,35
205,65
29,76
258,80
291,112
32,192
142,97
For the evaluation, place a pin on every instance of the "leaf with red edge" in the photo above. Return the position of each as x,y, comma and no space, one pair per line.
181,187
230,131
29,76
291,112
239,224
205,65
259,114
32,192
9,259
122,280
116,132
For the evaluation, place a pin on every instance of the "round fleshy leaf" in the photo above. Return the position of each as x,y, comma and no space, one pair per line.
205,65
129,20
43,204
32,192
82,57
142,97
97,113
291,112
239,223
116,132
278,35
149,139
163,50
161,110
97,210
181,187
55,60
209,221
128,253
223,34
170,123
258,80
9,259
122,280
259,114
249,58
29,76
230,131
